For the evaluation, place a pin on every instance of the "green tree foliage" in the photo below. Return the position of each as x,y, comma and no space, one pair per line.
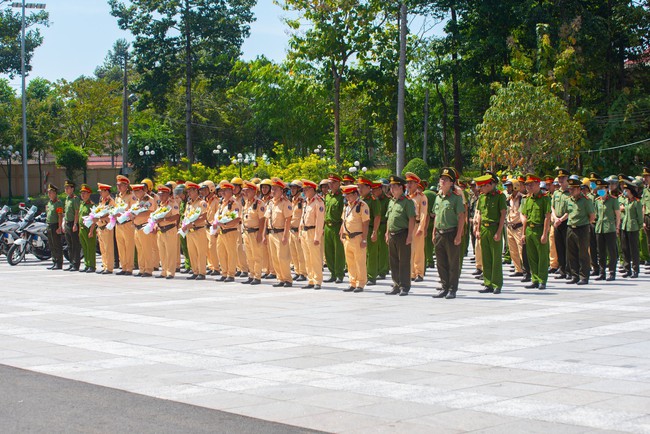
72,157
528,128
10,35
419,167
154,136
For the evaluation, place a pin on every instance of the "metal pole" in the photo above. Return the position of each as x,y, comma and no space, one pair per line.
22,73
125,116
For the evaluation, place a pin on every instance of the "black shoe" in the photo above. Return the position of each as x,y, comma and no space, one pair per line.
532,285
216,273
358,290
349,289
222,279
486,290
247,281
229,279
634,275
192,277
185,271
288,284
479,277
200,277
560,276
256,282
451,295
497,291
301,278
441,294
594,273
627,274
107,272
244,274
271,276
552,270
330,280
160,276
395,291
169,277
238,274
371,282
583,282
526,279
295,276
381,277
278,285
600,277
209,272
339,281
128,273
418,279
74,269
477,272
51,267
97,272
310,286
404,292
611,277
146,274
120,273
316,287
265,275
85,270
573,281
70,267
542,286
90,270
517,274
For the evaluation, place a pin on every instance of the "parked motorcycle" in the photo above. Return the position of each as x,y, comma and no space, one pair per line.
8,225
32,233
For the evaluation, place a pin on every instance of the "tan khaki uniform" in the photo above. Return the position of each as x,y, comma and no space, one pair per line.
515,232
311,230
354,216
227,240
417,245
267,264
253,212
213,253
242,261
125,234
276,214
106,240
197,242
168,240
297,254
145,243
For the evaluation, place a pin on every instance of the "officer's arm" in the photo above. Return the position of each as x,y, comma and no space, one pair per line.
409,237
547,225
76,215
320,224
60,215
592,217
287,229
459,230
617,213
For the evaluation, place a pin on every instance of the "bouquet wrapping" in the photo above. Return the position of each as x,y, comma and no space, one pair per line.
196,213
135,209
155,216
113,215
96,212
222,220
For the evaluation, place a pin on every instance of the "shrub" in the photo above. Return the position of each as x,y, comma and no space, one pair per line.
72,158
419,167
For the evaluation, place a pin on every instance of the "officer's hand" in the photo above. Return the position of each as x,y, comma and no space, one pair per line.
497,236
544,239
284,240
523,240
373,237
457,240
91,234
316,242
409,239
433,237
260,238
387,237
263,240
75,228
59,231
556,223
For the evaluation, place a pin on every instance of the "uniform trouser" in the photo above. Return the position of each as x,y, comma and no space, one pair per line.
125,237
242,261
554,263
478,253
630,246
254,253
464,246
297,255
491,253
448,255
417,255
56,245
538,254
561,246
382,251
646,220
270,268
186,253
168,248
399,254
212,251
280,257
525,262
197,246
227,251
607,252
644,253
106,239
515,246
145,243
578,261
89,247
155,257
74,246
313,257
428,247
593,247
355,256
334,255
372,256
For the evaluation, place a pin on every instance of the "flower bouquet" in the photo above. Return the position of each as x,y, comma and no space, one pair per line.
113,215
222,220
158,214
196,213
96,212
135,209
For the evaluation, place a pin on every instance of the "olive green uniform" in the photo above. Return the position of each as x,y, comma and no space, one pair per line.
88,243
372,250
399,212
428,242
490,207
382,246
631,224
536,208
52,212
605,229
71,208
645,203
578,259
334,255
448,210
558,203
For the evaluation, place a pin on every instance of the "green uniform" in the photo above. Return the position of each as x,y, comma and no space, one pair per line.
88,243
71,236
428,242
372,251
535,208
645,203
490,207
334,254
184,248
448,210
382,249
605,229
578,234
52,212
558,202
399,213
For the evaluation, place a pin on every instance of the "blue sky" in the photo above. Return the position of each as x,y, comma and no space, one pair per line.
82,32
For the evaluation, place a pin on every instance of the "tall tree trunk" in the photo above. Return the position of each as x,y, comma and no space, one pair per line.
401,79
188,86
445,114
425,129
40,173
337,114
458,155
125,114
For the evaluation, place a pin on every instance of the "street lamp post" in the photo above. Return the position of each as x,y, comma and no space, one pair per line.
9,154
147,154
22,5
355,168
219,152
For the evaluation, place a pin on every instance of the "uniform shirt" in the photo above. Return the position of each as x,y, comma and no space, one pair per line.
447,209
579,210
421,209
606,208
193,205
490,206
277,212
127,199
227,206
431,202
514,215
150,204
52,211
175,209
333,207
535,207
559,202
108,202
296,215
253,212
314,215
645,200
84,210
399,212
632,219
71,207
354,216
213,206
383,202
374,207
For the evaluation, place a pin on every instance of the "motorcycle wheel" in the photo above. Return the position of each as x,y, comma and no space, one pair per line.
15,255
42,255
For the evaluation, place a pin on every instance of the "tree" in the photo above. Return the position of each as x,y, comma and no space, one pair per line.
72,157
151,136
183,38
10,35
43,118
528,128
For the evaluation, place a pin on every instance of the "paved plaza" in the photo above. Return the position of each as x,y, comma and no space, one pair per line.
565,360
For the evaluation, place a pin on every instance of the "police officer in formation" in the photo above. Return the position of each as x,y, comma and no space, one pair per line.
262,229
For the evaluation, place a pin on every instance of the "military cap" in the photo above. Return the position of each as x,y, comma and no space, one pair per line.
377,184
412,177
348,178
323,182
306,183
249,185
562,172
164,189
69,183
394,179
334,177
530,178
601,183
364,180
137,187
548,178
646,171
103,187
347,189
483,180
449,173
573,182
226,185
86,188
593,176
277,182
189,185
52,187
121,179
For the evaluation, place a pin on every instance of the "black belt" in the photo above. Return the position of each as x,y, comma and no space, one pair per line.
53,224
140,226
294,230
446,231
70,223
516,226
101,227
351,235
164,229
578,227
308,228
225,231
392,234
333,223
196,228
487,225
251,230
275,231
533,225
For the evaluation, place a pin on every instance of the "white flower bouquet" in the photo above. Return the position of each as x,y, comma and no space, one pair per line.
196,213
155,216
96,212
